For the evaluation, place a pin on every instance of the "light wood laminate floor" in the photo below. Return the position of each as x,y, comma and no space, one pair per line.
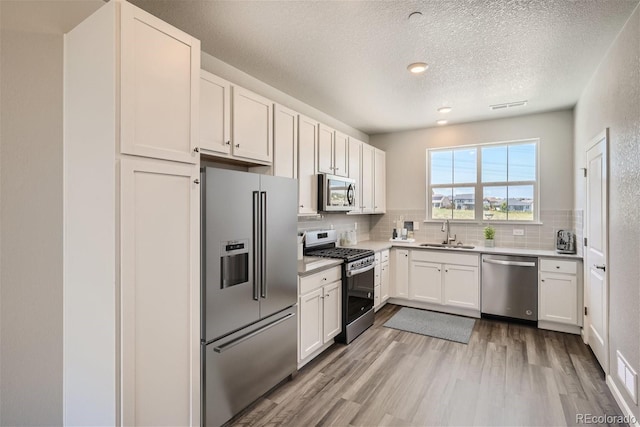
508,374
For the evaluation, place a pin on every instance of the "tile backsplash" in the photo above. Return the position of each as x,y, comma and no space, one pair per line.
380,227
340,222
535,236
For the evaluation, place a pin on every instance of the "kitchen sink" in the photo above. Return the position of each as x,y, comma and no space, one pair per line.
446,246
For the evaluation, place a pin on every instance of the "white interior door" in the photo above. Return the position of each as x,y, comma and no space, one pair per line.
596,229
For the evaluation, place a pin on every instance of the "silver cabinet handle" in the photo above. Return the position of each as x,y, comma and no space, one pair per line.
516,263
360,270
250,335
600,267
256,244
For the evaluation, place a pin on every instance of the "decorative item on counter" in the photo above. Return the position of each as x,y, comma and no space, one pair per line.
489,234
403,237
408,225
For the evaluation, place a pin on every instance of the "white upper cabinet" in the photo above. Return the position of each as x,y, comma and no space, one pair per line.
367,178
380,177
341,154
307,182
326,137
160,72
355,158
285,142
215,113
333,151
252,126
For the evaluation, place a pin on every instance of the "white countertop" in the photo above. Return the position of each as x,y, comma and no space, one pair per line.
377,245
311,264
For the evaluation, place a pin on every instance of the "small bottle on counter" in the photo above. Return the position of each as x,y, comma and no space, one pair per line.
395,234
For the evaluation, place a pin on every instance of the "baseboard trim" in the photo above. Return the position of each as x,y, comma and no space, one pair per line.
626,411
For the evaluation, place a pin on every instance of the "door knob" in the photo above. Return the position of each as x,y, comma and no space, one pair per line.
196,149
227,143
237,145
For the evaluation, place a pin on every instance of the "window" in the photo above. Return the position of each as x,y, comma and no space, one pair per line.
488,182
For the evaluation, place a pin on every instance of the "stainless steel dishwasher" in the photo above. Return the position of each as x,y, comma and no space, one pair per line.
510,286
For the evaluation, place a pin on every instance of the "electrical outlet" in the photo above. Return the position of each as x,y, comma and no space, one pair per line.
518,232
416,225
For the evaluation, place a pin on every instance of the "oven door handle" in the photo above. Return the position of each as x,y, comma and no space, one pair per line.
360,270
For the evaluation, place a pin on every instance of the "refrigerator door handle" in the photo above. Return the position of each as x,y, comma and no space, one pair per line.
256,244
263,244
250,335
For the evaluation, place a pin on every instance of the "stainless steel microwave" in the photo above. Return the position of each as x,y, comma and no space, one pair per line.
336,193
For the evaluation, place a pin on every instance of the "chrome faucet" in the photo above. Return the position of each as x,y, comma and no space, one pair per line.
446,227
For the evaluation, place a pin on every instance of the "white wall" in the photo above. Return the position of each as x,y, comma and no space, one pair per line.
612,99
31,207
234,75
406,155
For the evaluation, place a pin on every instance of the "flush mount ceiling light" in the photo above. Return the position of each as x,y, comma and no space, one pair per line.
444,109
441,122
418,67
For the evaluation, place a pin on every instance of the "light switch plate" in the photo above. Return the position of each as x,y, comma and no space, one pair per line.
518,232
416,225
628,377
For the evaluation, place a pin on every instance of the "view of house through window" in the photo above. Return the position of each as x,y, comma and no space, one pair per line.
489,182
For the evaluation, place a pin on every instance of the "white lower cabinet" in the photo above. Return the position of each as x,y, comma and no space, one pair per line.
384,282
400,259
461,286
425,282
159,255
381,279
320,317
438,280
559,293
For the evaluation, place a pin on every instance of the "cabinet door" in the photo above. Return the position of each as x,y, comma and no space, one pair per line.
559,298
376,297
252,126
311,322
461,286
285,142
160,75
401,286
325,149
425,282
307,180
355,158
367,178
379,182
215,113
160,293
332,322
341,154
377,274
384,282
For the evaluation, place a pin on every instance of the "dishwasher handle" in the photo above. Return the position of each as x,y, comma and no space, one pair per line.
515,263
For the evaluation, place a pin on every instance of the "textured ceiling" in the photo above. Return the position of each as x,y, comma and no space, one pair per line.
349,58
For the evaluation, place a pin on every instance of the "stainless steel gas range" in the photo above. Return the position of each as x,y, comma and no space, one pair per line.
357,281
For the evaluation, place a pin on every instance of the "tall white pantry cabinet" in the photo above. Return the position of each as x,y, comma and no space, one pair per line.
131,221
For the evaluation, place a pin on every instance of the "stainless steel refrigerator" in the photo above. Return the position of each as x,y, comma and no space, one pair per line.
249,288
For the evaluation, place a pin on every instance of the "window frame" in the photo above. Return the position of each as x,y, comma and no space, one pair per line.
479,185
